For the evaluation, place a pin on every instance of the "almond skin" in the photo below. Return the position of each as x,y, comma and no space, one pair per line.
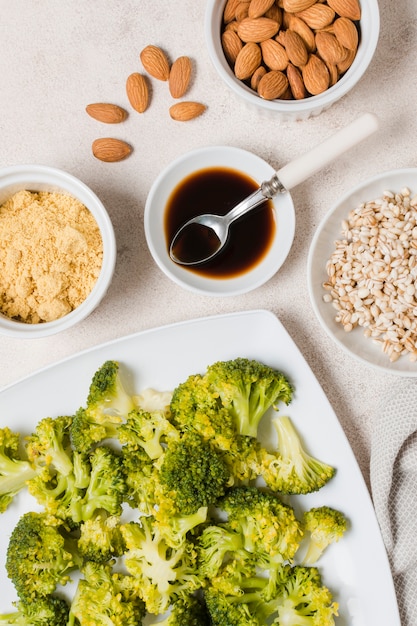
272,85
110,150
106,112
346,8
179,76
257,29
137,92
155,62
248,60
185,111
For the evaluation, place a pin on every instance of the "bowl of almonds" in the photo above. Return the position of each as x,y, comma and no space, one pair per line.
292,58
362,272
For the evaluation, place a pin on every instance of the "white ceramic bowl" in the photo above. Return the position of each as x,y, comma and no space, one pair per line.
155,211
354,343
294,109
44,178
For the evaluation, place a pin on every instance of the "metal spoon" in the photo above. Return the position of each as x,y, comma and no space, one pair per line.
214,229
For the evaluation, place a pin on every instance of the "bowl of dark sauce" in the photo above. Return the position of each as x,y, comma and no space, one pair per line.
214,180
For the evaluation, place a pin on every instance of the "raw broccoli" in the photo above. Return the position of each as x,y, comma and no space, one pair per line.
94,481
108,405
39,611
150,431
324,526
193,474
215,544
163,573
15,470
194,407
100,538
188,611
106,597
269,528
40,555
292,470
247,388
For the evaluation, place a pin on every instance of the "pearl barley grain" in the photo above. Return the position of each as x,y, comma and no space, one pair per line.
372,273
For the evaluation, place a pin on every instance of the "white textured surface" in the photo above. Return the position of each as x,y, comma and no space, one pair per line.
56,57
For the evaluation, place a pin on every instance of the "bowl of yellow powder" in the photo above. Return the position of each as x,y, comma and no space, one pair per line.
57,251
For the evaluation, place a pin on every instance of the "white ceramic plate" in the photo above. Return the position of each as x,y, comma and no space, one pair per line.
322,246
356,569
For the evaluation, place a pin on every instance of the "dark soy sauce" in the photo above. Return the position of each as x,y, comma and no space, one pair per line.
217,190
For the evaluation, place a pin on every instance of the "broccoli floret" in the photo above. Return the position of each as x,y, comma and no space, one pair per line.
324,526
269,528
105,597
163,573
175,528
215,544
15,471
187,611
49,445
194,407
225,610
106,486
193,474
100,538
247,388
292,470
108,405
40,555
150,431
244,459
39,611
143,489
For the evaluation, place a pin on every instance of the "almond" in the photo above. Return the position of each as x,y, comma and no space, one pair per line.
155,62
110,150
232,45
344,65
185,111
346,8
317,16
137,92
329,49
315,75
299,26
179,76
296,82
248,60
294,6
333,73
346,33
242,11
106,112
257,8
230,10
256,77
295,48
272,85
275,13
274,55
257,29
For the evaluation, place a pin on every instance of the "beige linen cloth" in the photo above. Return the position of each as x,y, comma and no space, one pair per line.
394,489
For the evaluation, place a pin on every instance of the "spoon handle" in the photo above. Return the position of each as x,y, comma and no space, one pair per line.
308,164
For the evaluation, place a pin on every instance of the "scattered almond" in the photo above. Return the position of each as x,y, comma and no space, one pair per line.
346,8
155,62
272,85
179,76
106,112
185,111
137,92
110,150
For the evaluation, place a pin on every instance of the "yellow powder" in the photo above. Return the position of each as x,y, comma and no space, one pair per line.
51,254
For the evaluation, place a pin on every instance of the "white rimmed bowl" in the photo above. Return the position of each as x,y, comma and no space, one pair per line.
354,343
155,211
286,110
44,178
